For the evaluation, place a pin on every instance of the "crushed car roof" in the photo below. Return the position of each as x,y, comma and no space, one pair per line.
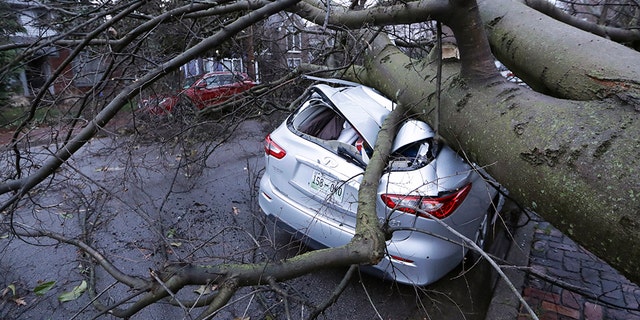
364,107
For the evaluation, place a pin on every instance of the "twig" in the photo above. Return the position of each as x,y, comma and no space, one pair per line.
471,244
336,292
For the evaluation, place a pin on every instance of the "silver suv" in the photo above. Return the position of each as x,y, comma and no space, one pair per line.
314,166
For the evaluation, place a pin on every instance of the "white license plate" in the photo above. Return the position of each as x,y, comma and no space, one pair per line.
327,186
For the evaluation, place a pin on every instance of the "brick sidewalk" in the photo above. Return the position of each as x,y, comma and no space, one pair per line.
602,292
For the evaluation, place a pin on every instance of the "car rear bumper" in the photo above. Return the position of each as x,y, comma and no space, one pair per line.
415,260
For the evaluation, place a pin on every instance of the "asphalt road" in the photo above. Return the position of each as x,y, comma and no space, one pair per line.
204,216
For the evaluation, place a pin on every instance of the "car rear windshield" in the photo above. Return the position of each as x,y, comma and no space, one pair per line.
317,121
413,156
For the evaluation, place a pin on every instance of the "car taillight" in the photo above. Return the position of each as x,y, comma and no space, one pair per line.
273,149
438,207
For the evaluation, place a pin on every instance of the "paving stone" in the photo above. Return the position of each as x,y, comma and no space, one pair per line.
568,241
555,289
543,226
617,314
593,311
556,233
537,283
580,255
545,229
590,275
566,276
612,290
539,269
613,275
572,265
598,265
542,295
631,295
549,238
539,246
561,310
555,255
563,246
614,301
550,316
631,300
544,262
571,299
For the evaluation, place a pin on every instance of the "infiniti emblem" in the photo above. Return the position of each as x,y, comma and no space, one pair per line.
328,162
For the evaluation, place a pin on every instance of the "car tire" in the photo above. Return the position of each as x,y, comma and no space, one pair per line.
482,232
484,237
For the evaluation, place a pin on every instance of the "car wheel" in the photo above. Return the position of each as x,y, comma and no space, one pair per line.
481,234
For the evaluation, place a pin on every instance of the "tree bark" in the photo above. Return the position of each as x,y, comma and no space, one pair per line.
575,163
558,59
613,33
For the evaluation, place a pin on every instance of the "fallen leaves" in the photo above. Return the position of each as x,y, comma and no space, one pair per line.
17,300
43,288
73,294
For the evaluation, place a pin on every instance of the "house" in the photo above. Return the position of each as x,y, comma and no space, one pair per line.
82,74
265,52
286,42
32,17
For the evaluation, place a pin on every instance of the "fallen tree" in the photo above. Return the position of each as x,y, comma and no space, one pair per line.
576,161
573,161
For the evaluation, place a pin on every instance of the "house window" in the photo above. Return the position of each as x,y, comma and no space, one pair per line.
88,70
294,42
293,62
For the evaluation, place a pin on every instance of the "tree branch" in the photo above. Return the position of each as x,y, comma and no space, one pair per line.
122,277
408,12
111,109
612,33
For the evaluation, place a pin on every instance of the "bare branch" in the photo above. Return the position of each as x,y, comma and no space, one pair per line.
97,256
615,34
409,12
110,110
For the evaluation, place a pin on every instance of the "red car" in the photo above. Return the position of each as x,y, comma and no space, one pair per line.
216,87
207,89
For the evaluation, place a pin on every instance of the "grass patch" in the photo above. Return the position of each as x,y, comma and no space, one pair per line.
11,117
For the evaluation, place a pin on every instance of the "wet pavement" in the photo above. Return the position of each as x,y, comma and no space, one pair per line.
562,280
149,214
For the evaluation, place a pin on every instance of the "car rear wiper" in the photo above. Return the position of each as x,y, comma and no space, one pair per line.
351,157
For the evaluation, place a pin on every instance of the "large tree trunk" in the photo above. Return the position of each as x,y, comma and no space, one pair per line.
557,59
574,162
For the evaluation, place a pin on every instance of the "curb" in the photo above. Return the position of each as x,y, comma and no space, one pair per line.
504,304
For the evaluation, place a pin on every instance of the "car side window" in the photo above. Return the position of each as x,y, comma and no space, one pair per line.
226,80
238,78
212,82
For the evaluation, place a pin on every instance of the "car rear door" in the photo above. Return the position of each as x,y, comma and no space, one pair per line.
221,87
212,91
